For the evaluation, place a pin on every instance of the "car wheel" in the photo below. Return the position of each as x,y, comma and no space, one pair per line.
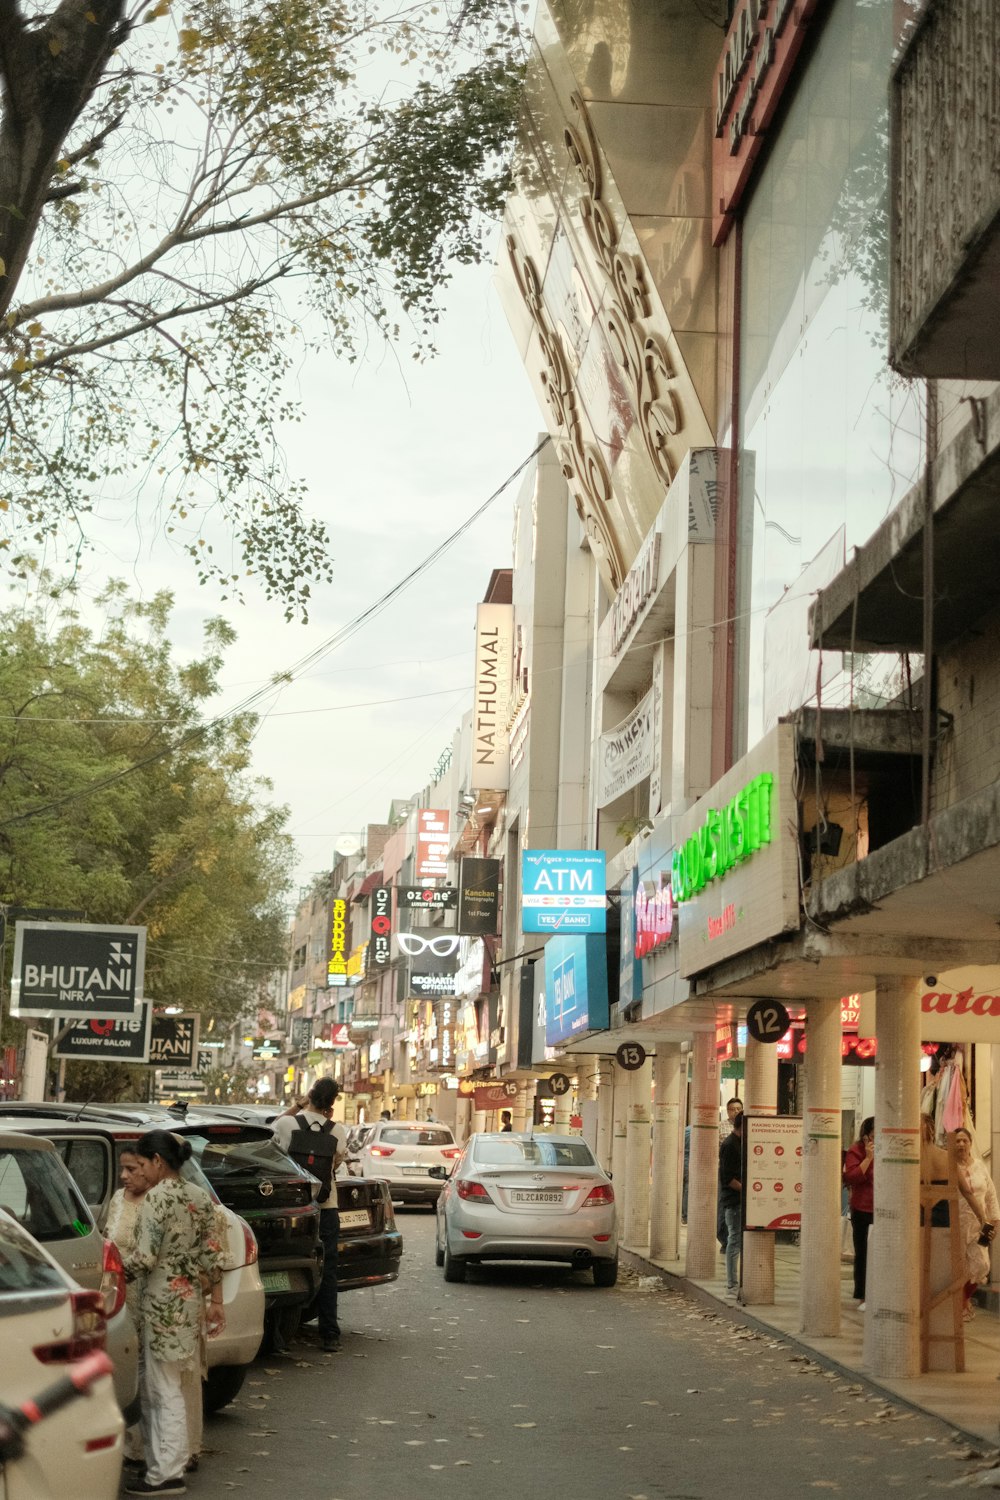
605,1272
281,1324
220,1386
454,1269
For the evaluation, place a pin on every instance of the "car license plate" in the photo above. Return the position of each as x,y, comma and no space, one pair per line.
519,1197
414,1171
355,1218
276,1281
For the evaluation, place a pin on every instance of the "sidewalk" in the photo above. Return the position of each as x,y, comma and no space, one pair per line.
970,1402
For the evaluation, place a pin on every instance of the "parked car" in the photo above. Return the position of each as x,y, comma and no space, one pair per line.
524,1197
370,1245
38,1193
403,1152
47,1321
91,1151
251,1177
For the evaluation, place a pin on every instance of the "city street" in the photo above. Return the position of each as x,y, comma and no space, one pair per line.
523,1381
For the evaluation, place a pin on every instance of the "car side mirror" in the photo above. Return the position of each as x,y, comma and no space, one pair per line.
441,1173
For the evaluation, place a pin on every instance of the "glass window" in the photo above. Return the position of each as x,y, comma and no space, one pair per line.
37,1191
23,1268
830,436
398,1135
537,1152
88,1165
237,1152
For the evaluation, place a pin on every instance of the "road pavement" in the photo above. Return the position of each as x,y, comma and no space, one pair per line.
529,1382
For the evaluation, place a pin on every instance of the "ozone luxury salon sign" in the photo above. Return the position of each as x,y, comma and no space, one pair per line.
491,696
77,969
563,890
735,870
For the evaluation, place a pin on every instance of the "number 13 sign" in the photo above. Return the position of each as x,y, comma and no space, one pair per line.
767,1020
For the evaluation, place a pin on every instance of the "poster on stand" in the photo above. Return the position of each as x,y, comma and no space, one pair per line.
772,1172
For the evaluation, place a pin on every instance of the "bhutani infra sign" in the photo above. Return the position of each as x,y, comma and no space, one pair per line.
77,969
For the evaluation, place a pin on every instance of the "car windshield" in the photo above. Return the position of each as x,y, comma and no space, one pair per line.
23,1268
37,1191
431,1135
537,1152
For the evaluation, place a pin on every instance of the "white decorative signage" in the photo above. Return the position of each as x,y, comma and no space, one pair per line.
626,754
638,588
491,697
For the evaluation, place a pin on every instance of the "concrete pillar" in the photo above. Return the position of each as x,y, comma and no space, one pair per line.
703,1168
819,1302
529,1103
478,1119
563,1110
636,1230
463,1118
518,1108
760,1097
605,1110
619,1138
893,1280
665,1187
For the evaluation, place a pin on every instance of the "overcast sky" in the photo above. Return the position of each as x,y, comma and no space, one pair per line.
396,455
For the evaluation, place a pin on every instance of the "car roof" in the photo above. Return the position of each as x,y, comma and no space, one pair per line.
9,1139
413,1124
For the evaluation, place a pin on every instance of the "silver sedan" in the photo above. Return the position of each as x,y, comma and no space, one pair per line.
527,1197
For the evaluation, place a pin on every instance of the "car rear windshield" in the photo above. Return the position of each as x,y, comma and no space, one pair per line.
39,1193
23,1268
398,1135
225,1152
535,1153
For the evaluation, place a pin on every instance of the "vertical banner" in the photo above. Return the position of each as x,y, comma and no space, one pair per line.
433,825
336,964
491,693
478,897
381,910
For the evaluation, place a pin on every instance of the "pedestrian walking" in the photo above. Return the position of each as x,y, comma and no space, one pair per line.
123,1218
859,1179
731,1197
505,1121
312,1139
175,1254
734,1107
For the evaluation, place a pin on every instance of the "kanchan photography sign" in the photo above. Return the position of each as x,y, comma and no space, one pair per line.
479,897
126,1040
77,969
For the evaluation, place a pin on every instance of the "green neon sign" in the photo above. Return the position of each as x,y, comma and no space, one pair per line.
728,836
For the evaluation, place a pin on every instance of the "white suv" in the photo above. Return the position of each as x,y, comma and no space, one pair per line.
403,1153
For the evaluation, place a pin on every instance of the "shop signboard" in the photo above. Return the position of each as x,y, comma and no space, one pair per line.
174,1040
433,826
563,890
735,869
956,1005
381,927
635,593
426,897
493,1096
300,1036
443,1055
772,1172
427,982
491,691
576,988
629,967
479,897
340,937
762,46
171,1082
356,964
77,969
626,753
124,1040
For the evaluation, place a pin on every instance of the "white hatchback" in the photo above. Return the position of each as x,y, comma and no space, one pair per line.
403,1152
47,1322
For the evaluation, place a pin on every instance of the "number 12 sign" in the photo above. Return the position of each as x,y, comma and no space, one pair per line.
767,1020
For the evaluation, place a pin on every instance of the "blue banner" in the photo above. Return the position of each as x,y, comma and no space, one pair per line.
576,988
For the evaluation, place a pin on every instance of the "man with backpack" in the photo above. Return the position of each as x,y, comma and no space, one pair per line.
312,1139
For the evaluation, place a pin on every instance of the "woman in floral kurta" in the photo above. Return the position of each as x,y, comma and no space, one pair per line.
175,1254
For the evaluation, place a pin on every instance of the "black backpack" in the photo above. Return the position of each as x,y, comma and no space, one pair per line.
316,1154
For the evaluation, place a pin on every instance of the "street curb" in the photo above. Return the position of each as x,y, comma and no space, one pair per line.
736,1313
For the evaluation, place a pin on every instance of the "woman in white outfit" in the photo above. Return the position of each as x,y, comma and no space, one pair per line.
123,1216
979,1216
176,1252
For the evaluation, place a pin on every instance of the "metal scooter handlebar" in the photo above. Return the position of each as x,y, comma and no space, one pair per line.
15,1421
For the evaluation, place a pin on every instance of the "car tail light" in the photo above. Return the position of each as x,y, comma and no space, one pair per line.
112,1280
383,1150
467,1189
603,1193
451,1152
95,1445
249,1244
90,1328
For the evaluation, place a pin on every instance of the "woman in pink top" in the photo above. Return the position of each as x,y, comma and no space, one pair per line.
859,1176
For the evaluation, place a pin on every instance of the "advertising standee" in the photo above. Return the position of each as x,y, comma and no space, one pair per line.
772,1172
